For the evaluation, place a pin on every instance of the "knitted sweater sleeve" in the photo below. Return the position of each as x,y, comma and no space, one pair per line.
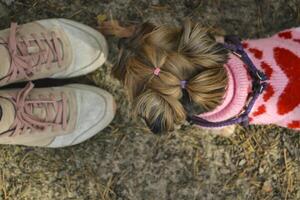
279,57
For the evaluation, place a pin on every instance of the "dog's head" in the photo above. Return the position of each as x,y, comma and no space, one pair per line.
155,62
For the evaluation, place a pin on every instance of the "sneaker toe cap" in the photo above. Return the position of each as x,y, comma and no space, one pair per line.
95,110
89,47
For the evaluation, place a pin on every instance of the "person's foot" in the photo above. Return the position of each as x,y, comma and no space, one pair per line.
51,48
53,117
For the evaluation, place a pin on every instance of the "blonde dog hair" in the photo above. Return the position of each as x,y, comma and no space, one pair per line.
188,53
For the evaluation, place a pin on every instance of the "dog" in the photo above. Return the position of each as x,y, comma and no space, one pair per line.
178,74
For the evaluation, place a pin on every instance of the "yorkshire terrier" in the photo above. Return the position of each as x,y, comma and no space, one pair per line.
177,74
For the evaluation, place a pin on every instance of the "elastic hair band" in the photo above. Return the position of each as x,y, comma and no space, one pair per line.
183,84
156,71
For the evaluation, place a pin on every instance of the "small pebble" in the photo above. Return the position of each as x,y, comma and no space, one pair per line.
261,170
155,2
267,186
242,162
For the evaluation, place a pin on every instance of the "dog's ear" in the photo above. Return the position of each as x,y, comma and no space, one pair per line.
156,126
160,112
189,105
129,47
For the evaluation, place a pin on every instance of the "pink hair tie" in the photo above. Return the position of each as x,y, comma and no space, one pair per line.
156,71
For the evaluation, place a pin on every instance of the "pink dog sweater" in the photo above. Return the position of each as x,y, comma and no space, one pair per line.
279,58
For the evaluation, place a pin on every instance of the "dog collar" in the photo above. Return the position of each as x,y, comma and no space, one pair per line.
259,84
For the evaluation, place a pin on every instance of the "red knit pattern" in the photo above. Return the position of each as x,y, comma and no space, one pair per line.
267,68
290,65
296,40
294,124
285,34
245,45
250,119
260,110
269,92
256,52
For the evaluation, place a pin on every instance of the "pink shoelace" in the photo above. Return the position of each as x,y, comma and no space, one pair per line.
23,62
25,119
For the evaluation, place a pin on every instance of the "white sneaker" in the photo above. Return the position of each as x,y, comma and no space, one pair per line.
54,117
50,48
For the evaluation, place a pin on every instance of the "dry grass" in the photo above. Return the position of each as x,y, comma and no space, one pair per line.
125,161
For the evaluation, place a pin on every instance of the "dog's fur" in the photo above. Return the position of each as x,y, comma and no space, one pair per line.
187,53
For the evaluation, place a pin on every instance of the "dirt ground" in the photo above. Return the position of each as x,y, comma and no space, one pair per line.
125,161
